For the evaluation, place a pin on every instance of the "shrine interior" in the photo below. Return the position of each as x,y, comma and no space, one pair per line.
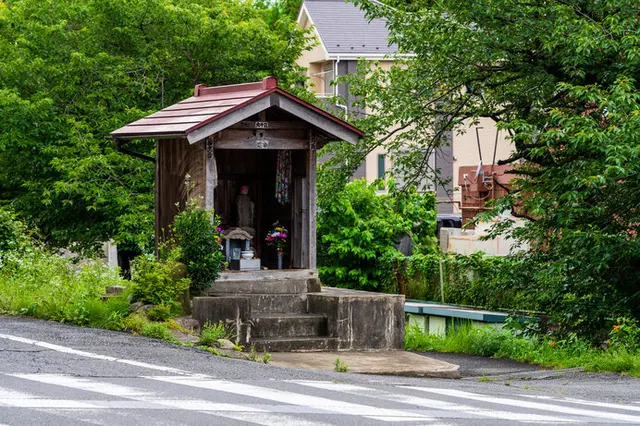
257,170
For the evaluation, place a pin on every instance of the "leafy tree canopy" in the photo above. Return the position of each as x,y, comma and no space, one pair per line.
72,71
562,77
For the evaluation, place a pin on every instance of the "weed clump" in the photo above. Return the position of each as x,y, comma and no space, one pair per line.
340,367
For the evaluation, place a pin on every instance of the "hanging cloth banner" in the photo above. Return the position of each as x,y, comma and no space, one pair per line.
283,177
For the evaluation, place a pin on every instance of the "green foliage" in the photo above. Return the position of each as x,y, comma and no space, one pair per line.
278,10
158,282
47,286
359,229
157,330
210,333
563,80
340,367
625,333
490,282
72,71
135,323
44,285
159,313
12,234
489,342
195,230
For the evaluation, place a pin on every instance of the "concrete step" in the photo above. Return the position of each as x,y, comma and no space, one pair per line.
275,303
285,286
295,344
288,325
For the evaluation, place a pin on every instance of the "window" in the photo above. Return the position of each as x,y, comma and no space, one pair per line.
381,166
327,76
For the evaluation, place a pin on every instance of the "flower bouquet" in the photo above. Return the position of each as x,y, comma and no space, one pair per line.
277,238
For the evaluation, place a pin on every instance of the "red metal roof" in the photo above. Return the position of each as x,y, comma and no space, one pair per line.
208,105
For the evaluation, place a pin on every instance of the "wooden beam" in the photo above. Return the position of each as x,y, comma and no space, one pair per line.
230,119
271,125
271,143
317,120
262,139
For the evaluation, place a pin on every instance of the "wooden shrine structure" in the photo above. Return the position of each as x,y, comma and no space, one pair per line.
231,139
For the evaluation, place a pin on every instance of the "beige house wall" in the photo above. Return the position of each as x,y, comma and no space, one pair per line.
313,59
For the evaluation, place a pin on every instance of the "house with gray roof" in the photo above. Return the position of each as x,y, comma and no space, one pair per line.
344,35
344,30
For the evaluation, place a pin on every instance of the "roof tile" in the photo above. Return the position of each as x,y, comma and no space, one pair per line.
344,28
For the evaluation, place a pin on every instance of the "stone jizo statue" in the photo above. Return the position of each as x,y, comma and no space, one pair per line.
245,209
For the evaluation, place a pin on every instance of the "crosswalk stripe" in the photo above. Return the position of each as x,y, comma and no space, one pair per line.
430,403
268,415
84,384
528,404
583,402
137,394
325,404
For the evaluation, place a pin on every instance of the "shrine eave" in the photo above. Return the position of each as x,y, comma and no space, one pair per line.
213,109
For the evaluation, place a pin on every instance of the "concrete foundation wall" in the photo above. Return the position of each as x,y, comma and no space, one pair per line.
361,320
233,311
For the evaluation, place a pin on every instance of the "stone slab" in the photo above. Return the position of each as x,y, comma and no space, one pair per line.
396,363
268,275
286,286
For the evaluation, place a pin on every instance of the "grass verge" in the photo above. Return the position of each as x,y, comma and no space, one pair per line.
489,342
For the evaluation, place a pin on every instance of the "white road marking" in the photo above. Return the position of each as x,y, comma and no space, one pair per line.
11,394
326,404
261,414
66,350
584,402
85,384
528,404
431,403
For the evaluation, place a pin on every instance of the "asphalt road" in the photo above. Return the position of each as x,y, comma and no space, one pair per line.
54,374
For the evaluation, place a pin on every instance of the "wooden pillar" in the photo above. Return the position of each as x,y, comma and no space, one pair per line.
311,173
210,171
156,195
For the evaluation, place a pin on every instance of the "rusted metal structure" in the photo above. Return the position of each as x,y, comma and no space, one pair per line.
480,185
230,137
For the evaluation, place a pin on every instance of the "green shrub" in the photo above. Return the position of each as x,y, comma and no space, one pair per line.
157,330
210,333
158,282
135,323
13,237
625,334
159,313
359,229
195,232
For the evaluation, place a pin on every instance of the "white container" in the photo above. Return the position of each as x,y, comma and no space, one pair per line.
248,254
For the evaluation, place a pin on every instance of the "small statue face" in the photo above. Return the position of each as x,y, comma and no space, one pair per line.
244,190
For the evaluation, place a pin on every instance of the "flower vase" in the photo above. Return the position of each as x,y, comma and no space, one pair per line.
280,256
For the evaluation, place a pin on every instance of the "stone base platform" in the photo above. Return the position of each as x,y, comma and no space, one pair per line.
288,311
396,363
